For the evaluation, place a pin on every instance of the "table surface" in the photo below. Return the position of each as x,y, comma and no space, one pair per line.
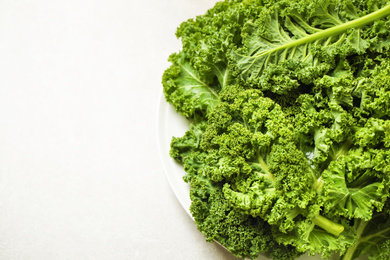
80,174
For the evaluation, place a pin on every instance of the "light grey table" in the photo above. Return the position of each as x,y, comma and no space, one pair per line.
80,174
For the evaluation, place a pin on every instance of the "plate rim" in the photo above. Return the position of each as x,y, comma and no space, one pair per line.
168,162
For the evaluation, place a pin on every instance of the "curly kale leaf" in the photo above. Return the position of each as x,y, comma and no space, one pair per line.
308,236
202,68
373,90
309,39
186,90
353,188
216,218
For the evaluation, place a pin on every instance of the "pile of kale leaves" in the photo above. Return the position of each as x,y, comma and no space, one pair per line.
288,147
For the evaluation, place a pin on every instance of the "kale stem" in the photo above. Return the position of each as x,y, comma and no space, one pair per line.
328,225
359,231
343,149
263,165
318,184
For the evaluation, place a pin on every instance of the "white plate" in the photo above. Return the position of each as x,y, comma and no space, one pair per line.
169,124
